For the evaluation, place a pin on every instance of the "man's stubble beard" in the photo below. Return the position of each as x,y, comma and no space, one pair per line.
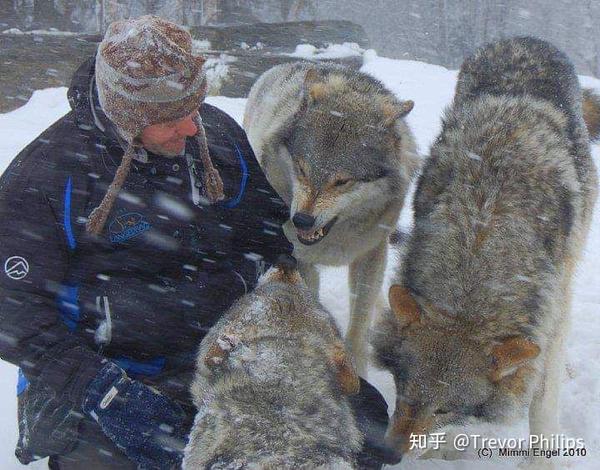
163,151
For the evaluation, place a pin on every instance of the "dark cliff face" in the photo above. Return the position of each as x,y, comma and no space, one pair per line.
426,30
35,61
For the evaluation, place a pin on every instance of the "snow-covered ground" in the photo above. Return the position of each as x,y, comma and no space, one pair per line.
431,87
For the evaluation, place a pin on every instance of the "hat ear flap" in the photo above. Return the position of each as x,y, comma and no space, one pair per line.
346,376
404,305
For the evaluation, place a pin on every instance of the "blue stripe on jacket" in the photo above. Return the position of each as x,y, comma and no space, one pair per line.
233,202
67,215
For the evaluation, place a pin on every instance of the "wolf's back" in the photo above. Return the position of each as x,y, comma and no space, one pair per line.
520,66
274,99
532,69
509,187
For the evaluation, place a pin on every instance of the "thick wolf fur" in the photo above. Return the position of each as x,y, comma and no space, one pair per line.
270,385
480,307
591,113
334,144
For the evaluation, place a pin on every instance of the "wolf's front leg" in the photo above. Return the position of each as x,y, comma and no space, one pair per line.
543,410
365,279
310,274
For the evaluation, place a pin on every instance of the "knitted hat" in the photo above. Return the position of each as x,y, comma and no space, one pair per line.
146,74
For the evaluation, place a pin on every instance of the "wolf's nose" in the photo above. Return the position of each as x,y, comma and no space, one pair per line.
303,221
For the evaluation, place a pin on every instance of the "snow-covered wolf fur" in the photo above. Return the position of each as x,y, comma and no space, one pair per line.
334,145
480,307
270,385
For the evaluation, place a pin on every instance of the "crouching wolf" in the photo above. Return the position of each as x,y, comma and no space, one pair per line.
334,145
480,308
270,387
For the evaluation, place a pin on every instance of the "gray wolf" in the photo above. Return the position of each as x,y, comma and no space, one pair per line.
334,145
271,383
480,306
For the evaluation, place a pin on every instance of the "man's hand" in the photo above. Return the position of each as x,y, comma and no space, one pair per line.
146,425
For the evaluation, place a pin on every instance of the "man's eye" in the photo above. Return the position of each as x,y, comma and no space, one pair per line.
441,412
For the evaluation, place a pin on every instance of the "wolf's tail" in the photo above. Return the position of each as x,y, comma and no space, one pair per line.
591,113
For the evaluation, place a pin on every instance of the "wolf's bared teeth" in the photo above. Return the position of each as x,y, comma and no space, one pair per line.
316,235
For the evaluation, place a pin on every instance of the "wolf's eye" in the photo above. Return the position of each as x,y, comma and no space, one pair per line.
342,182
440,412
301,171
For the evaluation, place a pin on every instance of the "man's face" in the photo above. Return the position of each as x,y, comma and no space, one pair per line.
168,138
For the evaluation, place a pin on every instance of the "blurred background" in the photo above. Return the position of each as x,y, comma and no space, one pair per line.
434,31
59,34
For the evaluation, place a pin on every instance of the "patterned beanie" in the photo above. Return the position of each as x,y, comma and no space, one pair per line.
146,74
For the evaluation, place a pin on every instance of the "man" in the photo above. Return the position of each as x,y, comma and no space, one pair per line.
128,228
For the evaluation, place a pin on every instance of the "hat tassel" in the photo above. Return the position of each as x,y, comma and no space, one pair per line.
99,215
212,182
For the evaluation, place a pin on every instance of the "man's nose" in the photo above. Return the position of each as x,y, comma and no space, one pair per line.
187,127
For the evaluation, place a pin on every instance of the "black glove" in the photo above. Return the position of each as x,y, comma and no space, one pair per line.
47,424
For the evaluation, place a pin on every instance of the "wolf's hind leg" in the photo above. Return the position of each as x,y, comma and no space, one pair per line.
365,279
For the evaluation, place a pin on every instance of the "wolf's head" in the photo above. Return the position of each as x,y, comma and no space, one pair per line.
270,383
349,150
445,376
278,332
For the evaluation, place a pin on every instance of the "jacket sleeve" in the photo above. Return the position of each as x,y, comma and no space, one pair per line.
35,305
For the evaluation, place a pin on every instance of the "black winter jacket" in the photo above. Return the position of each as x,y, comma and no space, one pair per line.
165,268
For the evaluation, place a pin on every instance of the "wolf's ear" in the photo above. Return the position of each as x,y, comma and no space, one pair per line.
218,352
403,305
510,355
346,376
394,111
314,87
311,77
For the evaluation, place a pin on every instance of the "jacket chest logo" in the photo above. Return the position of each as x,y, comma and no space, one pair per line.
127,226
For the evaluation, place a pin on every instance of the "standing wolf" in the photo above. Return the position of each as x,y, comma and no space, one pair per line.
334,145
270,385
481,307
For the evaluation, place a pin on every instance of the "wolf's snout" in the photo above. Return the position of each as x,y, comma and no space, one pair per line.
284,270
303,221
287,263
392,456
395,448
